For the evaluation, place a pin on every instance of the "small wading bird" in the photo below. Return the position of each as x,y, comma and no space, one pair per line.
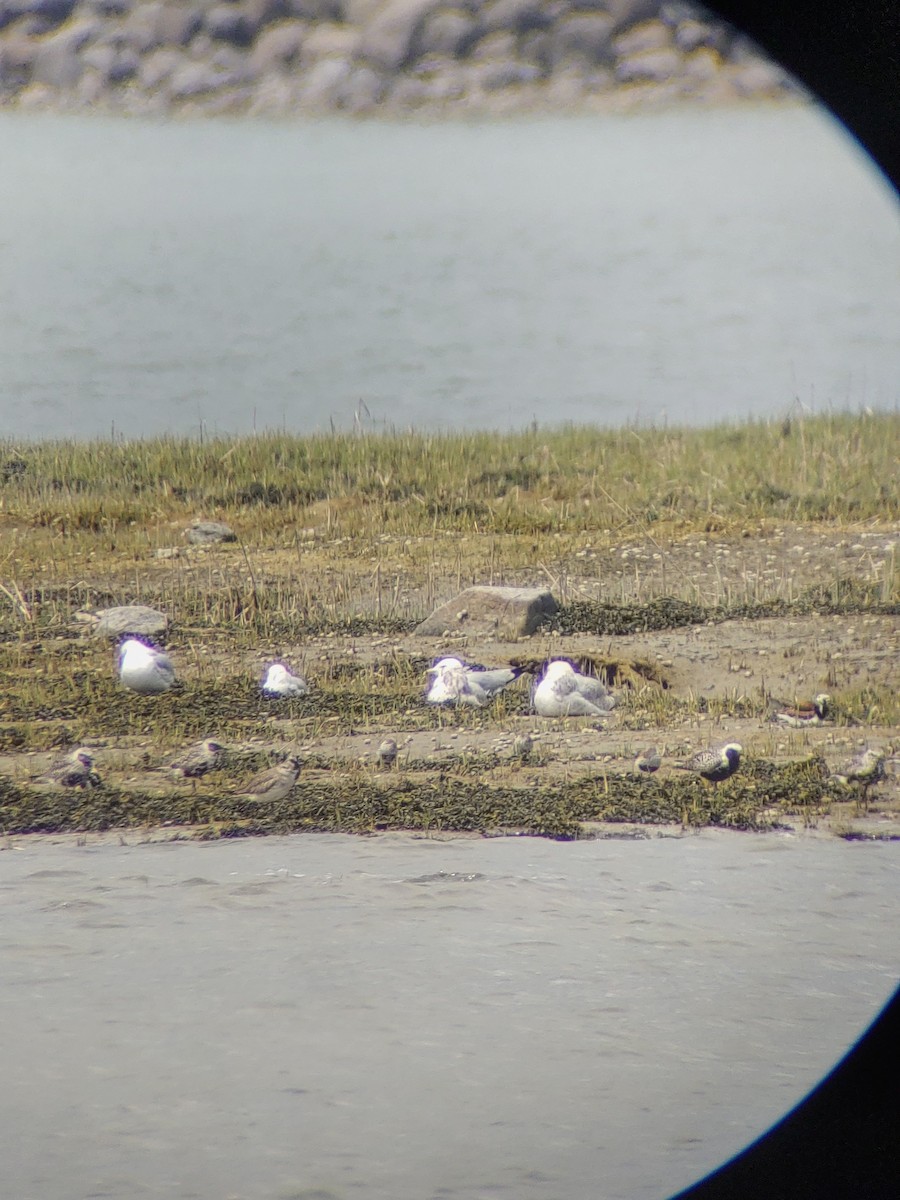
273,784
715,763
647,761
865,770
75,770
450,682
144,669
279,681
563,692
522,746
205,756
387,753
808,712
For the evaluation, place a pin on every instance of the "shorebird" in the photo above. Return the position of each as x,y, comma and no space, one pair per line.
808,712
647,761
453,683
387,753
198,760
866,769
280,681
75,770
715,763
563,692
273,784
522,746
144,669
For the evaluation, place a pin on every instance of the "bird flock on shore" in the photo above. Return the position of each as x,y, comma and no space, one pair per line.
560,691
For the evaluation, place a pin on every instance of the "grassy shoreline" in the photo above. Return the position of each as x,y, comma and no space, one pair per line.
346,541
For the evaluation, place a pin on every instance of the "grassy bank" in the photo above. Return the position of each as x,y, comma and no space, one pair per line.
344,542
382,525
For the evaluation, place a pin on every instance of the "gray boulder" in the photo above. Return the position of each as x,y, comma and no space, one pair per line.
389,38
206,533
277,45
505,612
128,618
649,66
583,36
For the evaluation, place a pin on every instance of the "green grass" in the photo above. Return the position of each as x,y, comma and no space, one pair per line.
376,528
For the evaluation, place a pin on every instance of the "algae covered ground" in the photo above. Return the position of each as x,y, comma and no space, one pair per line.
709,574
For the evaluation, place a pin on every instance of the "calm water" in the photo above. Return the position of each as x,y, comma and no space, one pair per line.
401,1019
688,266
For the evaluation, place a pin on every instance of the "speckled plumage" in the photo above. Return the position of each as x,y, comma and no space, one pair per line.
387,753
273,784
647,761
74,770
715,763
197,760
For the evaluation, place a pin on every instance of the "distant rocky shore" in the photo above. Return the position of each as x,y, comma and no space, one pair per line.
278,57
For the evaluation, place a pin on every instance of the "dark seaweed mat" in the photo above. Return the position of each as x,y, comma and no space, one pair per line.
337,801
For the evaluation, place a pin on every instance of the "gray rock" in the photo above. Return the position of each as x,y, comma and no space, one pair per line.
518,15
230,23
278,45
584,36
129,618
649,66
649,35
205,533
361,90
630,12
317,10
196,79
158,66
507,612
323,80
57,62
449,31
691,35
389,38
328,41
508,74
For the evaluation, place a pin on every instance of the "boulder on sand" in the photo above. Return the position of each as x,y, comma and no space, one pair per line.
506,612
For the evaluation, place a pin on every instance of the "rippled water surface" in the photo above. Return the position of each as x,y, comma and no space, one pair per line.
406,1019
687,266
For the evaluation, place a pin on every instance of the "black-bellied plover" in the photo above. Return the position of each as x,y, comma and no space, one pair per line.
715,763
273,784
197,760
865,770
647,762
74,770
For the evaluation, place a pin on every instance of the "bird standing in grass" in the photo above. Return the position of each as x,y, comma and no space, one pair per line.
280,681
865,770
523,744
715,763
273,784
808,712
647,761
75,770
387,753
205,756
450,682
144,669
563,692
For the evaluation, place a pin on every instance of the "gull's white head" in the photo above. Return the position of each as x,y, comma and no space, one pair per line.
558,669
446,664
136,652
276,675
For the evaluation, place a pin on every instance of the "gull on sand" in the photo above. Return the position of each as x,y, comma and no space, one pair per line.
450,682
275,783
563,692
715,763
280,680
144,669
